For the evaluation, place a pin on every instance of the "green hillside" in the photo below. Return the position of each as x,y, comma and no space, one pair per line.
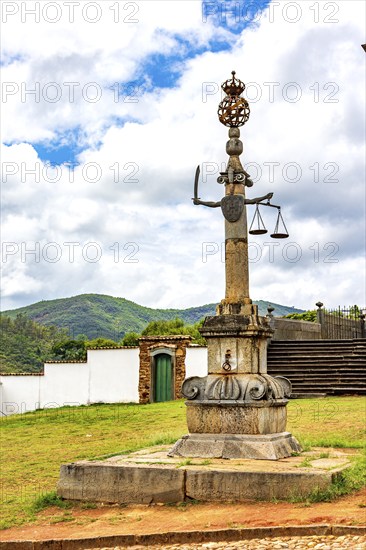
98,315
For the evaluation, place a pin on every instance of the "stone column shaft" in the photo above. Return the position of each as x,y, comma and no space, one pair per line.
236,255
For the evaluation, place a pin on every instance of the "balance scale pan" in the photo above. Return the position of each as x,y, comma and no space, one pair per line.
258,231
279,235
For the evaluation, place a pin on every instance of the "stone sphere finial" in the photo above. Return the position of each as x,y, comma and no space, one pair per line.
233,110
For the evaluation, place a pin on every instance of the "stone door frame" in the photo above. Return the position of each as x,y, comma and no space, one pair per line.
174,345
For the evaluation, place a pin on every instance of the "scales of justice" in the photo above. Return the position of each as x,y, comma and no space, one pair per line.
237,410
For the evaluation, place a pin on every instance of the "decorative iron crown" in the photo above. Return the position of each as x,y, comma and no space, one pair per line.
233,87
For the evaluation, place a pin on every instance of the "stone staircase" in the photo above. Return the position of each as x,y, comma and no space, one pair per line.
333,367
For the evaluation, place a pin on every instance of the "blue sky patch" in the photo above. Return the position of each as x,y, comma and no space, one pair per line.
61,150
8,60
233,15
163,70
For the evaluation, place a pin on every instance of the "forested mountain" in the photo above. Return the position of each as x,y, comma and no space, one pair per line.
98,315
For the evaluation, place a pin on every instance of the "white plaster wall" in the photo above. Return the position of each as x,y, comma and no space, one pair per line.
65,384
109,376
20,394
114,375
196,361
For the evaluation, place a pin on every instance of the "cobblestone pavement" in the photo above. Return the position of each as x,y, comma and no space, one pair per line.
316,542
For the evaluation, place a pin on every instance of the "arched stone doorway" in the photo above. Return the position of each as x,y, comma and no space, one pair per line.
160,380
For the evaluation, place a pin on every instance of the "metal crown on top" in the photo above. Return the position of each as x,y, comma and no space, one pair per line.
233,86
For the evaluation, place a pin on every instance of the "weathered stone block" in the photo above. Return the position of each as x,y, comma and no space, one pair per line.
235,418
245,337
221,485
122,483
258,447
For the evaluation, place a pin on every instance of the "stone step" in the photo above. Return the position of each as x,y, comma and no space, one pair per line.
303,386
323,379
316,359
309,372
311,351
316,351
289,360
315,376
315,344
329,391
311,381
326,341
299,344
316,380
322,374
295,345
297,354
287,363
308,363
319,387
321,384
286,356
324,383
326,368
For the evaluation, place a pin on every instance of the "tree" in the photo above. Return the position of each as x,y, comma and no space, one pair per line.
160,328
310,315
131,339
69,350
197,336
101,343
81,338
174,327
354,312
25,345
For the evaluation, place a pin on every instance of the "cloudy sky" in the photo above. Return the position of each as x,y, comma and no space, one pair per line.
107,109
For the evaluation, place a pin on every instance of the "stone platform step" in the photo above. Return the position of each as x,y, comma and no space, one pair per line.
151,476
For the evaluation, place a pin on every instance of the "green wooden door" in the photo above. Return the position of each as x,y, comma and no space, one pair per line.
163,377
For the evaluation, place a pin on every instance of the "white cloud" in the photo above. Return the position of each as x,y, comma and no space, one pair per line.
177,129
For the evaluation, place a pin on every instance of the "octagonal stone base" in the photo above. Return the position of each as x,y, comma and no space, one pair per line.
259,447
213,417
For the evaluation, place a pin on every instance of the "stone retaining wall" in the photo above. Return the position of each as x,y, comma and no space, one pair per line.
293,329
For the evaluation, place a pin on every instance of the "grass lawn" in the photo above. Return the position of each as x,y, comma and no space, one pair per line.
33,445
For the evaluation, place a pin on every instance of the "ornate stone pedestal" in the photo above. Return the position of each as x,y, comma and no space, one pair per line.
237,410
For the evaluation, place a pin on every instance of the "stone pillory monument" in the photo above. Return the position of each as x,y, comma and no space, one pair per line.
237,410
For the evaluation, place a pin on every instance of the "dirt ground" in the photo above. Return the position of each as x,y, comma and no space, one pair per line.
56,523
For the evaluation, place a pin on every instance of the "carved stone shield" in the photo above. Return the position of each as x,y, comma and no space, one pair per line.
232,207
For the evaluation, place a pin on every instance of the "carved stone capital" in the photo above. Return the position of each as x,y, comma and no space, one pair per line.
236,325
238,388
